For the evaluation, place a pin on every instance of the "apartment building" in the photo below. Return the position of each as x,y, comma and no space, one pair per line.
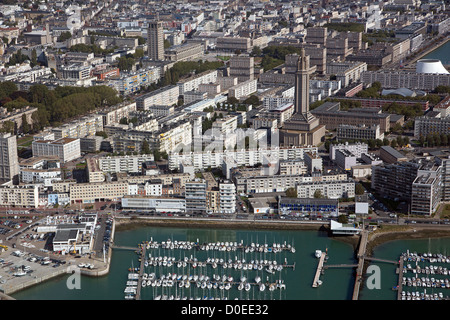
203,160
227,196
67,149
426,189
243,89
115,113
358,149
406,79
192,83
184,52
394,180
9,160
175,136
86,126
347,72
242,67
360,132
426,125
293,167
166,96
99,191
45,170
93,171
195,195
129,164
129,83
234,43
327,189
19,196
158,204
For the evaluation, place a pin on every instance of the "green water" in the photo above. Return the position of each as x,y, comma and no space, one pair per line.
441,53
337,283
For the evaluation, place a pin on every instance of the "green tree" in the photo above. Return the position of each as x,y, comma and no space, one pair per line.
394,143
291,193
318,194
145,149
25,125
359,189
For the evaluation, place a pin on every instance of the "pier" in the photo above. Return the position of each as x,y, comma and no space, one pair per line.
316,281
359,269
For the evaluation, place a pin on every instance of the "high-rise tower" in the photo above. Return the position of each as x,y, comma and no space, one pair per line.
303,128
9,161
155,40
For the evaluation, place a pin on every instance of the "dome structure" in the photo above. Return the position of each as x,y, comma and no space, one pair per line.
430,66
403,92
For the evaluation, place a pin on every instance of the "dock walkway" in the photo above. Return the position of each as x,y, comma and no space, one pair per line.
316,281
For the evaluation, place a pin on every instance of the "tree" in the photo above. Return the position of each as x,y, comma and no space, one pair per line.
394,143
256,51
291,193
359,189
318,194
25,125
33,58
145,149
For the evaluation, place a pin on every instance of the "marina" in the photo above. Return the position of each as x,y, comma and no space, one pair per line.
235,271
421,272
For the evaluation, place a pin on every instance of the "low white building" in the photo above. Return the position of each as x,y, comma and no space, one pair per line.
158,204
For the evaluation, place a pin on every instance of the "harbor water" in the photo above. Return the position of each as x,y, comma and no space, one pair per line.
337,282
440,53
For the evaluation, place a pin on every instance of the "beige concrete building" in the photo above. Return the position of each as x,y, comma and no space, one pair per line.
93,171
19,196
98,191
66,149
9,162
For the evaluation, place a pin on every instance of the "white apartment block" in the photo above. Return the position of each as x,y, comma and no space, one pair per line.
227,196
166,96
347,72
293,167
132,82
243,89
41,176
130,164
159,204
328,189
86,126
19,196
406,79
203,160
356,148
161,111
67,149
117,112
226,126
175,137
192,84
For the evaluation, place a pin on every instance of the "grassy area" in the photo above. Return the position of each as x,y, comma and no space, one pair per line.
25,141
446,212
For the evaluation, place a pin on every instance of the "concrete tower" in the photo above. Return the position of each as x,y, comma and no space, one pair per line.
155,40
303,128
